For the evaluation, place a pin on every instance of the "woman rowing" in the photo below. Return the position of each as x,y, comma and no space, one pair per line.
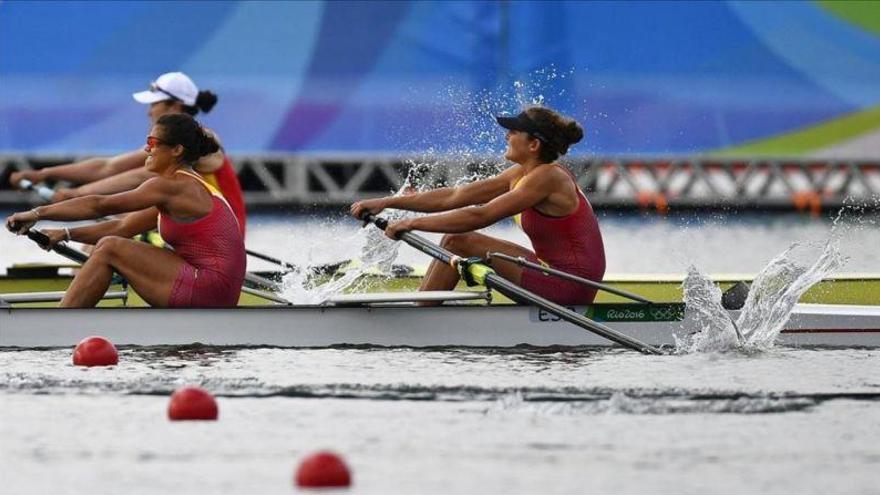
171,93
540,194
207,266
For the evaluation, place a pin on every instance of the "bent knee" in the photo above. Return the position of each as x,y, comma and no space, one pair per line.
460,244
108,247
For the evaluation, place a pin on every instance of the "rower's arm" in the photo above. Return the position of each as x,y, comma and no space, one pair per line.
450,198
153,192
131,225
93,169
539,187
124,181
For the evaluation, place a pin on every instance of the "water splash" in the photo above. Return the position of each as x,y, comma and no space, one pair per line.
707,324
466,141
376,257
771,300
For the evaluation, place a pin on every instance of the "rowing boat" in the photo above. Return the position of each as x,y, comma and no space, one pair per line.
396,318
393,320
854,288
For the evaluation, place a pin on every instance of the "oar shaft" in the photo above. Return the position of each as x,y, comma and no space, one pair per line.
567,276
515,292
263,282
270,259
521,295
417,241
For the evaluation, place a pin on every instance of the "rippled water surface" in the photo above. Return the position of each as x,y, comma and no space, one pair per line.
447,421
520,421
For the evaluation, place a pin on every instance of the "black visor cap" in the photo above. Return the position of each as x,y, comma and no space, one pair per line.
524,123
521,122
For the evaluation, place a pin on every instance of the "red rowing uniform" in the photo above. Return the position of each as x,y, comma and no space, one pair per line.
571,243
212,249
226,180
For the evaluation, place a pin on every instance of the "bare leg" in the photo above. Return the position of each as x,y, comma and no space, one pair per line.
441,276
151,272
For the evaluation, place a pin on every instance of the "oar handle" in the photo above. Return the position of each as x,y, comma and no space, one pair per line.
380,222
42,191
60,248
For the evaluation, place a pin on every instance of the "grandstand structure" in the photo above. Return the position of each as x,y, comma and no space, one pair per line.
659,184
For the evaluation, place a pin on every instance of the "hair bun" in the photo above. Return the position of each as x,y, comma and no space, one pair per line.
206,100
207,144
573,132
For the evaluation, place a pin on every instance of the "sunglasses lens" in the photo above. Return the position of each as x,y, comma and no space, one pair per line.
152,142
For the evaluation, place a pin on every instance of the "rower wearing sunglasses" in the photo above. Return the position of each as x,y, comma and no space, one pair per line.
206,267
171,93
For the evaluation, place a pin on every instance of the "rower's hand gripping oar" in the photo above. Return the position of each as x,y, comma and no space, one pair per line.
47,194
43,241
486,276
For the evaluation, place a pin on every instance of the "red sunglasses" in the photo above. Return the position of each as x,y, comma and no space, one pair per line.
153,141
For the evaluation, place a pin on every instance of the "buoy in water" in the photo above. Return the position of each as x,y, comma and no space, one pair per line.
95,351
192,403
323,469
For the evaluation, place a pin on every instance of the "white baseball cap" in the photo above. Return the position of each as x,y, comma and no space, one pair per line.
170,86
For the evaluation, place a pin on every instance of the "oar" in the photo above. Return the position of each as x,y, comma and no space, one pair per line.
61,248
80,257
74,255
485,275
325,269
519,260
270,259
42,191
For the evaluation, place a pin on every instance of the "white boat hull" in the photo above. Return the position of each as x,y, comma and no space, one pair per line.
313,326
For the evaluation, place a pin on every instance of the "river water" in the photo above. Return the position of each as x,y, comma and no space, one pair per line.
773,420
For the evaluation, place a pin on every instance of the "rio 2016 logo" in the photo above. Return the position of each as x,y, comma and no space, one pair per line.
626,314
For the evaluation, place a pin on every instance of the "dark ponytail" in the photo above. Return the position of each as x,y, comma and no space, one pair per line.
205,101
560,132
182,129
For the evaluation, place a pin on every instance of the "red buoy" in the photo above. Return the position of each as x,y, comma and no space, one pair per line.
192,403
323,469
95,351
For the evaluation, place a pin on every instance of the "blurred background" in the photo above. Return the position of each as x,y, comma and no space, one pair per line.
731,105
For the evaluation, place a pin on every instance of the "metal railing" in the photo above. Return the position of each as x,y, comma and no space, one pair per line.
658,183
